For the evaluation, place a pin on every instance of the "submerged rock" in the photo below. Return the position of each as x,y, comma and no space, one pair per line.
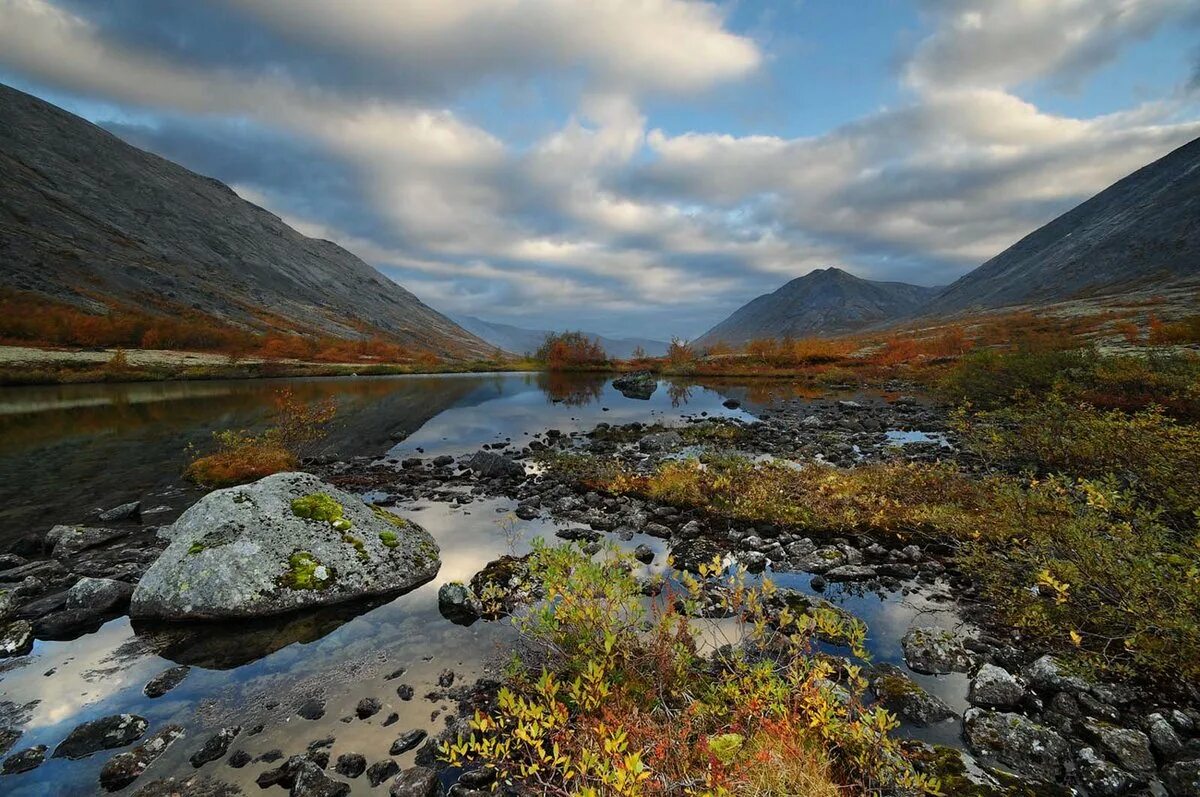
284,542
105,733
416,782
165,681
124,768
24,760
902,696
216,746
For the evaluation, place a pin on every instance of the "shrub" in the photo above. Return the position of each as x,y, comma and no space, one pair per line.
570,349
627,705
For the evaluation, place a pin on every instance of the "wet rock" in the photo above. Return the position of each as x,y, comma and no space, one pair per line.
8,737
690,554
368,707
100,595
381,771
443,460
1163,738
446,679
1182,778
577,535
657,530
1047,675
505,581
67,623
1016,742
935,651
188,786
238,759
661,441
127,511
644,554
216,746
489,465
458,604
818,583
731,404
310,780
407,741
852,573
311,709
902,696
24,760
247,551
404,692
165,681
16,638
124,768
416,782
67,541
993,687
1129,747
351,765
1101,778
637,385
105,733
8,604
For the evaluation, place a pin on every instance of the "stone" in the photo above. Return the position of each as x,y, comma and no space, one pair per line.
285,542
1130,747
238,759
637,385
690,554
16,638
24,760
1101,778
644,554
407,741
458,603
994,687
100,595
381,771
935,651
310,780
188,786
416,782
1163,738
658,442
489,465
1017,742
368,707
1181,778
1046,675
106,733
165,681
351,765
902,696
8,604
127,511
216,746
311,709
67,541
124,768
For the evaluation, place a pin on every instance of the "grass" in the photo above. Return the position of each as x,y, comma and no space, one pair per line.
622,702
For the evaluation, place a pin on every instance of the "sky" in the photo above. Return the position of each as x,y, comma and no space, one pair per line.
633,167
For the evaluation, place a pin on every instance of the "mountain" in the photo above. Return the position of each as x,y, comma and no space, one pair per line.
89,219
1140,231
821,302
526,341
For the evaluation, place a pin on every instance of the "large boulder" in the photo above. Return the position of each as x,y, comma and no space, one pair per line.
637,385
1017,742
284,542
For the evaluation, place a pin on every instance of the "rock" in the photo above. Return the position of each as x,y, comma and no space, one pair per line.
350,764
443,460
124,768
1182,778
1163,738
657,530
101,595
1016,742
478,778
1101,778
753,561
8,737
506,581
416,782
368,707
1130,748
311,709
407,741
818,583
67,541
902,696
489,465
637,385
165,681
935,651
311,781
644,554
731,404
661,441
1046,675
691,530
690,554
8,604
188,786
67,623
238,759
24,760
127,511
284,542
851,573
105,733
216,746
993,687
381,770
578,535
458,604
16,638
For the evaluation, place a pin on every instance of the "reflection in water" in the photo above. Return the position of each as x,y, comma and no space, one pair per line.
572,389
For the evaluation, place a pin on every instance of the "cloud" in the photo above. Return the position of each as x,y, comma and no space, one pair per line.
1004,43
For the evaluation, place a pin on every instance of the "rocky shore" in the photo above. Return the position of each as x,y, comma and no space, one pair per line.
1032,727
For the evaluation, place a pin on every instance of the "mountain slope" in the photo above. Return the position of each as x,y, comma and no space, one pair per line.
522,341
87,218
1141,230
821,302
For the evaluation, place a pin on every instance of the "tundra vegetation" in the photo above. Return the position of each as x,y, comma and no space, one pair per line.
616,696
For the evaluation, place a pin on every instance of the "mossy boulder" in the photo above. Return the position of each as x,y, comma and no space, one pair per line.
282,543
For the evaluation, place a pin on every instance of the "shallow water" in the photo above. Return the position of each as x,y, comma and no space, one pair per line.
66,451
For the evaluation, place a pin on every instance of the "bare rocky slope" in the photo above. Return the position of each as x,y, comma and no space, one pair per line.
824,301
1141,231
87,218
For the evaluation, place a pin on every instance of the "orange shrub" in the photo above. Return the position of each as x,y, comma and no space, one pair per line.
570,349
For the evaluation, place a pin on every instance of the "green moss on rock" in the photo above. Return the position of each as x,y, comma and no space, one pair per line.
319,506
389,539
305,571
388,517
